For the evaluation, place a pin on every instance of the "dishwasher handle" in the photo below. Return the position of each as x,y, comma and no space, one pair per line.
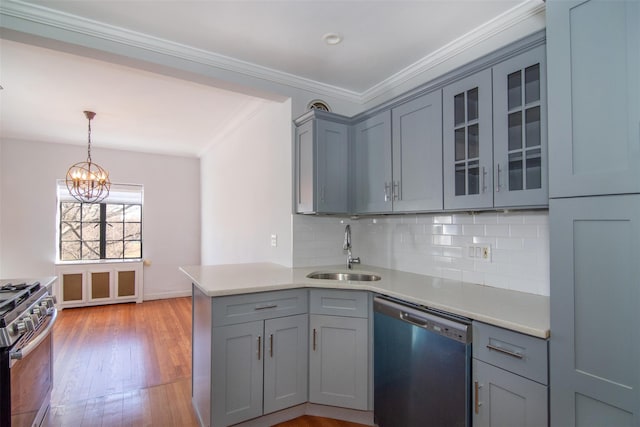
413,319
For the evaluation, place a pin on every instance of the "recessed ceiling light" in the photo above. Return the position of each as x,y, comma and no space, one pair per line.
332,38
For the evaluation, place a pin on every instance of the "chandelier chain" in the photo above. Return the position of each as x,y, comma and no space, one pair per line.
89,144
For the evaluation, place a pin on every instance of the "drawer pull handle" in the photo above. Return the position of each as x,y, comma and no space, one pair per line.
477,399
264,307
507,352
314,339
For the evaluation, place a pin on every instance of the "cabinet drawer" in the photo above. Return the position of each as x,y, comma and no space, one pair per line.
334,302
259,306
518,353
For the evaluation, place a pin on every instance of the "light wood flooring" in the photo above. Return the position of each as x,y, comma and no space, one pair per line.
129,365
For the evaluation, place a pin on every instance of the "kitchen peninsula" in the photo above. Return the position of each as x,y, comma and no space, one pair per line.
243,313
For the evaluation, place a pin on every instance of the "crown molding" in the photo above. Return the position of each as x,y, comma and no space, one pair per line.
458,46
87,27
90,28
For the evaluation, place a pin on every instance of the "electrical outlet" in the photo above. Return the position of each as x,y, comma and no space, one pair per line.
479,252
274,240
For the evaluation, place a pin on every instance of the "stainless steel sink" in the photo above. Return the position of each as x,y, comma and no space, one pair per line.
357,277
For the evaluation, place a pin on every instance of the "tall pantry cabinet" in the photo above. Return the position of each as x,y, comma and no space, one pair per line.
593,59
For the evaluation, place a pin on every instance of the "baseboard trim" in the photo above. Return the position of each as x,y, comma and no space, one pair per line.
344,414
167,295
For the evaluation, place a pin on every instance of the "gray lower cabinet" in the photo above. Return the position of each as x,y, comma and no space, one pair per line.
593,54
503,399
322,163
510,378
250,354
258,368
595,311
339,348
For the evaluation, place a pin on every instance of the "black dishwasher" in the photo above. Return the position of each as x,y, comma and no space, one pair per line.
422,366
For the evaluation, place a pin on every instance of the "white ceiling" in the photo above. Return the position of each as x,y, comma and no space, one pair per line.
45,91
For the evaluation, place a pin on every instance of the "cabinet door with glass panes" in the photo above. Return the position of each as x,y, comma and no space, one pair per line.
520,131
467,143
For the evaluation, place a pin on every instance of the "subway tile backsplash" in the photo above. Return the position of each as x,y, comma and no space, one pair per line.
437,245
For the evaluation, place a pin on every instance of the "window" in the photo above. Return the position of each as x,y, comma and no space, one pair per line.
94,231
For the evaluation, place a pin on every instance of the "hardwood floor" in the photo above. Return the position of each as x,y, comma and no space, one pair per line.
130,365
123,365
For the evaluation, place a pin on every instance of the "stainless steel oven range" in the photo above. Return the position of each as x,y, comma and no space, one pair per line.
27,316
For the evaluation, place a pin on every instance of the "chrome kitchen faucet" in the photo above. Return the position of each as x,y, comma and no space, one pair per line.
347,247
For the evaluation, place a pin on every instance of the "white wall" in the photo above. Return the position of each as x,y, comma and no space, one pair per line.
246,191
436,245
171,219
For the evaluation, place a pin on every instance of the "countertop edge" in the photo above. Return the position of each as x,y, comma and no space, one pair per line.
287,280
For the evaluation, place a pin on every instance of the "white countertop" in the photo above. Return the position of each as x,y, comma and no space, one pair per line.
518,311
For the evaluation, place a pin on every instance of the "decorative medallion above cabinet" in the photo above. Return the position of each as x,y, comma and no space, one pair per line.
474,139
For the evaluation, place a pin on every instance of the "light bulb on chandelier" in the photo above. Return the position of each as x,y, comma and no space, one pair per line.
86,181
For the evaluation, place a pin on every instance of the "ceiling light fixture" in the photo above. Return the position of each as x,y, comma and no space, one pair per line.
87,181
332,38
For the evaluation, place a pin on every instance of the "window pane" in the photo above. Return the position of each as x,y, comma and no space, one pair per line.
474,142
460,179
133,213
458,109
474,177
91,231
115,249
534,169
133,249
70,251
472,104
132,231
459,148
115,231
515,171
532,116
70,231
515,131
514,85
91,212
70,212
115,213
532,83
91,250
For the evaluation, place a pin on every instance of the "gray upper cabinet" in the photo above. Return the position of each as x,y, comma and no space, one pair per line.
519,131
372,159
467,143
595,311
398,158
593,51
417,154
321,164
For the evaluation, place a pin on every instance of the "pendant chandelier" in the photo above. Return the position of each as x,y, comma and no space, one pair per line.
86,181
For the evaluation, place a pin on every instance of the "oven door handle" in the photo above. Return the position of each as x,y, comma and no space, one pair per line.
24,351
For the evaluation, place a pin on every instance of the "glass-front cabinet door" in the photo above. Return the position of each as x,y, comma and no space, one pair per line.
520,130
467,136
